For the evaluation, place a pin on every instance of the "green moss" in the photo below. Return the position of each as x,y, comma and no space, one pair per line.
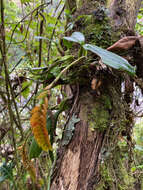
99,116
107,102
106,176
96,31
98,34
115,179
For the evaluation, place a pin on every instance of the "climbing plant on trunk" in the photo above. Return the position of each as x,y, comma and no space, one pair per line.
96,149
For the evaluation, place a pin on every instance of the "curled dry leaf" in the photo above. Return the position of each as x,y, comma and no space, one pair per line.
124,43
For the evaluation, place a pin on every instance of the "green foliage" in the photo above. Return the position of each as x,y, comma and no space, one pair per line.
35,150
25,58
138,137
139,25
25,89
111,59
6,170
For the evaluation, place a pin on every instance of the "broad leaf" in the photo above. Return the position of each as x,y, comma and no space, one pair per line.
76,37
111,59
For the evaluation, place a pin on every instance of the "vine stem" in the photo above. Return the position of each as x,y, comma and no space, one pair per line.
40,48
63,71
47,88
54,29
7,79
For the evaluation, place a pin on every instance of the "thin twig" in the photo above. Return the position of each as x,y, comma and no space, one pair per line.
49,47
40,53
26,32
7,80
27,103
16,65
39,7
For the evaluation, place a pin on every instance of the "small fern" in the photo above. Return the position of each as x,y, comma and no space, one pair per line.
38,124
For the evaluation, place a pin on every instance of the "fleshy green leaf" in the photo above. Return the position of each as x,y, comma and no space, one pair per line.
76,37
111,59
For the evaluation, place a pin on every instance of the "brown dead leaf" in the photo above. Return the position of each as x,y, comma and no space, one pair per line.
124,43
95,84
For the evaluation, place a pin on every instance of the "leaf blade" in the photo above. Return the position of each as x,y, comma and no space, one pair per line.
111,59
77,37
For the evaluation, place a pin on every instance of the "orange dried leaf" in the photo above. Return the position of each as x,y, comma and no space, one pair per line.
38,124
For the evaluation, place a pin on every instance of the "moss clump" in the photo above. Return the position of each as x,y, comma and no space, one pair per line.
106,178
97,28
99,34
114,174
99,116
107,102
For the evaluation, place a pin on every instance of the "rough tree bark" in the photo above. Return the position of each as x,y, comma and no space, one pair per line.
92,159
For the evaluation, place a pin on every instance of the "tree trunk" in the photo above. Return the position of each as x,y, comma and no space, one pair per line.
93,159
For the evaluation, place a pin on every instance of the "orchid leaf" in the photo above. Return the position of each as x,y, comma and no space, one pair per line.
76,37
111,59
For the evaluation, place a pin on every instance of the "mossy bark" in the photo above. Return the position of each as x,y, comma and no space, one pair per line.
94,158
